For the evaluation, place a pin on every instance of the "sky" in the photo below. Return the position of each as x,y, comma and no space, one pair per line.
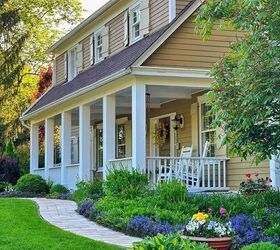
91,6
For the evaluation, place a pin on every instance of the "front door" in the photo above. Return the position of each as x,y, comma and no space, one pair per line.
162,136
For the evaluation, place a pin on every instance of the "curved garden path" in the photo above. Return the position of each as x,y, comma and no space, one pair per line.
62,214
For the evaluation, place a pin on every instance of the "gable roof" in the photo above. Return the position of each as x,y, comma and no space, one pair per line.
115,64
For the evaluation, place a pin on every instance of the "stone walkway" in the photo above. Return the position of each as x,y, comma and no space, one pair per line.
62,214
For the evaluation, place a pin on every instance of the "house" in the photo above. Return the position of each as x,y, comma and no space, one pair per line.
128,90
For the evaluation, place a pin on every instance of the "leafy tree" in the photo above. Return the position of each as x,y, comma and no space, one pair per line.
27,29
246,90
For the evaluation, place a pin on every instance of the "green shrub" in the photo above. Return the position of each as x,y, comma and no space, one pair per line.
88,190
32,184
126,184
173,191
10,150
3,186
59,189
23,153
261,246
170,242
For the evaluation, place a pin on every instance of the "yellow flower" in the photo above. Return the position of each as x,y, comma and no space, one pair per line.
200,216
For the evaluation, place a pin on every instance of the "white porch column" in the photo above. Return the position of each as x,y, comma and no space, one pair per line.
49,146
66,127
109,133
84,142
139,126
275,171
34,147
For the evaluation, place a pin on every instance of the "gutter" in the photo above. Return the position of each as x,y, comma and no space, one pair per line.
79,92
24,124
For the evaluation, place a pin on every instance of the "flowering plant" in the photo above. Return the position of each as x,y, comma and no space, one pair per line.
201,225
255,184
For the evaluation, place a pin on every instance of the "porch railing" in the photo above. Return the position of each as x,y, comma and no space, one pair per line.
55,174
39,171
72,175
121,163
197,173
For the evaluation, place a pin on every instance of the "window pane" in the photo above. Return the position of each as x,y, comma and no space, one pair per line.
207,120
211,138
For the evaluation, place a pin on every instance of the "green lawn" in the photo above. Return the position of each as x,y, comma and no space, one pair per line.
21,228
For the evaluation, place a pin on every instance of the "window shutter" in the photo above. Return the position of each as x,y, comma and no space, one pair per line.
79,57
126,28
65,66
195,128
220,150
54,72
91,45
144,17
105,42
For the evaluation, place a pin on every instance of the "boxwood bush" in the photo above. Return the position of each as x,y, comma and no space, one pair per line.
59,189
32,184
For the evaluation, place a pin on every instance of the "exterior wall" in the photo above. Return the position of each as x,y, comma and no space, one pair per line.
159,14
116,34
186,49
237,169
86,52
181,4
60,69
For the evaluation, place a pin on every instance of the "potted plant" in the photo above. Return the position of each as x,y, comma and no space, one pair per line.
202,228
254,185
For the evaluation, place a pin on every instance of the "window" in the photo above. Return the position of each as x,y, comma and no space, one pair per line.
99,148
98,44
72,63
134,24
120,139
208,133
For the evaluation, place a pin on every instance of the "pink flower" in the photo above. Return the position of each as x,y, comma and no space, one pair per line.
210,210
223,211
248,175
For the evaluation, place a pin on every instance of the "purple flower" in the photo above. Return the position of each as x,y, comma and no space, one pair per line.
146,226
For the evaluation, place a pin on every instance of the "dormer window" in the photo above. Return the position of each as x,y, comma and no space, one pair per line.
72,63
98,46
135,24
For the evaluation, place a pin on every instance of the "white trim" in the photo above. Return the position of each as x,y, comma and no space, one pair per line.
132,39
79,92
98,32
170,72
167,33
75,72
172,10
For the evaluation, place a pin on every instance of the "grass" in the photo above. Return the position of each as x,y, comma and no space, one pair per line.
22,228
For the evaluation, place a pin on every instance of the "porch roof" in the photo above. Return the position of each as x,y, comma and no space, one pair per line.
99,72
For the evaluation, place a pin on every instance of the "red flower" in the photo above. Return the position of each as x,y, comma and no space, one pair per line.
268,179
264,186
248,175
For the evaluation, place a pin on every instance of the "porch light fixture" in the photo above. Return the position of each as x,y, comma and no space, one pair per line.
178,122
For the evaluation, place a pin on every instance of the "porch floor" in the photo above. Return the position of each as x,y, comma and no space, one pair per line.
62,214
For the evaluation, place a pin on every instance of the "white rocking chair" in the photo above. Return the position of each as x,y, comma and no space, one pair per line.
186,152
188,174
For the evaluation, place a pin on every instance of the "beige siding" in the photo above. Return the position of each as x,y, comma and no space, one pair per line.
60,69
158,14
86,52
116,34
237,169
181,4
186,49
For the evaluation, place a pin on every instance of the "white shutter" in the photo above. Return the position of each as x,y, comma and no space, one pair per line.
126,28
105,42
220,150
144,17
79,58
65,76
195,128
91,46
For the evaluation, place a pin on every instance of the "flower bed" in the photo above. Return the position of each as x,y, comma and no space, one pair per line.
252,217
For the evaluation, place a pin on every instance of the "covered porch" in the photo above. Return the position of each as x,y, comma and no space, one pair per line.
144,125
